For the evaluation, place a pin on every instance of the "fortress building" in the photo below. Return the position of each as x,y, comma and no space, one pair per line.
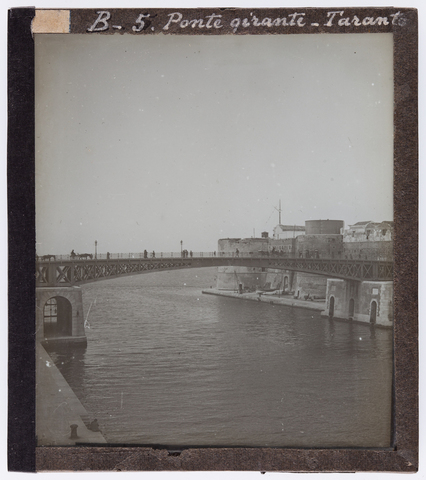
288,240
318,239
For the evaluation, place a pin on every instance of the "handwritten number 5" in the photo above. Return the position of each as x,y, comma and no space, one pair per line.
139,20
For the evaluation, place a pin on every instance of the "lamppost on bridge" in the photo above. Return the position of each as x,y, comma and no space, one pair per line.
96,249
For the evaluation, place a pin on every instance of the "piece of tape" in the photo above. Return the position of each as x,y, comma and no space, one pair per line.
51,21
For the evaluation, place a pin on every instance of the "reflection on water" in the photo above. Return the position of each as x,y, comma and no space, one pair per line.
168,365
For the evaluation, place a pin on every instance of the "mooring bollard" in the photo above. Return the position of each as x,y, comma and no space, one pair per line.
73,427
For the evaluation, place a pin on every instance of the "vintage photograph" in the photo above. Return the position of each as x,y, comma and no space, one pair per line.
214,238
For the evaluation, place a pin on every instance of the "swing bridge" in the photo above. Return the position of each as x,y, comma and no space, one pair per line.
60,314
64,271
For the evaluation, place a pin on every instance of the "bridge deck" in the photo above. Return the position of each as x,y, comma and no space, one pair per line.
67,272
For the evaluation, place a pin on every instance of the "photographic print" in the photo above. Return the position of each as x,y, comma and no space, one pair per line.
215,230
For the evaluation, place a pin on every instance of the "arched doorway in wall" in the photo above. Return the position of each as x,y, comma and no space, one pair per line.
351,309
57,318
285,288
373,312
331,308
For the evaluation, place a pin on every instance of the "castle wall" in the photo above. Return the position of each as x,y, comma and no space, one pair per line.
382,294
244,245
325,245
256,246
359,300
368,249
229,278
286,245
251,278
309,284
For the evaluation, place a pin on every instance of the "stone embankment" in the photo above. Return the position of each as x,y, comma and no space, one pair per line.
273,299
61,419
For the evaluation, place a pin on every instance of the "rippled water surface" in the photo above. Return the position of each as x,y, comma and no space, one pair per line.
168,365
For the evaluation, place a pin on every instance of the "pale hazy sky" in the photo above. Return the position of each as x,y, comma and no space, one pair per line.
143,141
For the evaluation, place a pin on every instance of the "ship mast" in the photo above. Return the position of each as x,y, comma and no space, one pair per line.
279,213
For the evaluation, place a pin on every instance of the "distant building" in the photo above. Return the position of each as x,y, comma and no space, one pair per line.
365,240
282,232
369,231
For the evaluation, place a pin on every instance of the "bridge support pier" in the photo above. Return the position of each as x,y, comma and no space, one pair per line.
60,316
366,302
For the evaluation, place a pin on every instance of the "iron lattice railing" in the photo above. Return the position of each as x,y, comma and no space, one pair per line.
361,270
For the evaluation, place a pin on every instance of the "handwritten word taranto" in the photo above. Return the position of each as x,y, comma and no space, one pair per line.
216,21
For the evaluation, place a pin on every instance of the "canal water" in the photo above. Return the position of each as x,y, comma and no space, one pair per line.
167,365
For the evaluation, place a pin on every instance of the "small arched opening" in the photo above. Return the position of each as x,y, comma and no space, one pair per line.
351,309
373,312
57,318
331,307
285,288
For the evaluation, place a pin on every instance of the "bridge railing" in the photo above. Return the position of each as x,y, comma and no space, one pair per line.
191,254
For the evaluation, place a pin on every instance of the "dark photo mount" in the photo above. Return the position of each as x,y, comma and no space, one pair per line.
23,453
